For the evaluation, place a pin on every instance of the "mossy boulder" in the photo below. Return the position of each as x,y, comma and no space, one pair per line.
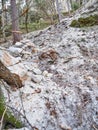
75,23
9,118
85,22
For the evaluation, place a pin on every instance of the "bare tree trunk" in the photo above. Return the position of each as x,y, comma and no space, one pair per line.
79,3
3,21
26,16
52,10
10,78
68,6
15,22
58,10
83,2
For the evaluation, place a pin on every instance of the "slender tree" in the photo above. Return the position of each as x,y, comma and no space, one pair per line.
26,15
68,6
3,20
58,10
15,22
51,8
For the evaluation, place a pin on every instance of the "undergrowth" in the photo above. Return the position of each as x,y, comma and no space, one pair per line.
9,118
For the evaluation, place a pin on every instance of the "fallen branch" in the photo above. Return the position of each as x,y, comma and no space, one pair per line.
9,77
95,127
17,32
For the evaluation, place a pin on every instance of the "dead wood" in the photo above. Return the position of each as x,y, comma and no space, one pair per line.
11,79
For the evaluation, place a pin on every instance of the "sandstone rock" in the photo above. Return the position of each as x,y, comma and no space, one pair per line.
7,59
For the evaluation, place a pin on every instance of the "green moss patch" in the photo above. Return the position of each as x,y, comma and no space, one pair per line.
8,117
85,22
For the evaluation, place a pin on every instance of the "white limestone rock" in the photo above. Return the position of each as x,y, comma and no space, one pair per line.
15,50
36,78
45,73
37,71
18,44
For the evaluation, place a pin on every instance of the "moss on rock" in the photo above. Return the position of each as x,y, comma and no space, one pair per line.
85,22
9,118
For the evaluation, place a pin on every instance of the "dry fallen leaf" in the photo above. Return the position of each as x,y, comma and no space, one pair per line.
38,90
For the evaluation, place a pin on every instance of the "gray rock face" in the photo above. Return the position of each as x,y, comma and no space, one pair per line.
62,94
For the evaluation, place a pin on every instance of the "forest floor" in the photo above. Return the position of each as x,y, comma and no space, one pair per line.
59,70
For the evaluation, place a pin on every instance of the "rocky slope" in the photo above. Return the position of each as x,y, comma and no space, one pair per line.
59,70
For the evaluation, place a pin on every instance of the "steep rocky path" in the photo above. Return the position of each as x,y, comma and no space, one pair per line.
59,70
60,76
